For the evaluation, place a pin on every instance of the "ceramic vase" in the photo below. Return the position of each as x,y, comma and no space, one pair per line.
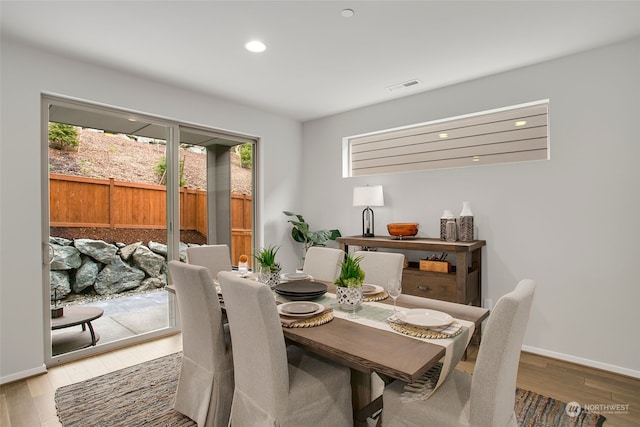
269,277
466,223
443,224
349,298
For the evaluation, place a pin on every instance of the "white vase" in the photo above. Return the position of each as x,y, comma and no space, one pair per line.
269,277
466,223
443,223
349,298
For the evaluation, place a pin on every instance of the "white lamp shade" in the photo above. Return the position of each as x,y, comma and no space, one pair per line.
368,196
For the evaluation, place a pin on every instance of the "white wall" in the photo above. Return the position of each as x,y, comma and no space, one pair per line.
570,223
26,73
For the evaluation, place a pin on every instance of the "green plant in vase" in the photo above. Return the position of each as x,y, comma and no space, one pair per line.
269,269
349,285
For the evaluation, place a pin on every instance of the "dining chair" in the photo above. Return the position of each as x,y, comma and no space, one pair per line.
323,263
205,386
379,268
215,257
276,384
486,398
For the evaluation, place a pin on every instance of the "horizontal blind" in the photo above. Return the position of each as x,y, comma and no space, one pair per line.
510,135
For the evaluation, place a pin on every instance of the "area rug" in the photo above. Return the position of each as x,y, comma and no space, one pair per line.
142,395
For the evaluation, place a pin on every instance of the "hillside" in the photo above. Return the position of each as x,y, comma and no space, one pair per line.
103,155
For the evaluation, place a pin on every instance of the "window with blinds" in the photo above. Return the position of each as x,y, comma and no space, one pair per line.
511,134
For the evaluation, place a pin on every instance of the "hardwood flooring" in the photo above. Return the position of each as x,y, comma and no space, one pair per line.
30,402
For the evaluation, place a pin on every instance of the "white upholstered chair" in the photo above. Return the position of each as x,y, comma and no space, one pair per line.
486,398
215,257
275,384
205,386
379,268
323,263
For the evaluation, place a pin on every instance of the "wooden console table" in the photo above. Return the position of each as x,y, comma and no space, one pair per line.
463,285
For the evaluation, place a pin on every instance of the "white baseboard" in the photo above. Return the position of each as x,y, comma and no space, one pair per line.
580,361
24,374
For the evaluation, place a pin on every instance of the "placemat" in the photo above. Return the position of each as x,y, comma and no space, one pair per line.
376,297
417,331
309,322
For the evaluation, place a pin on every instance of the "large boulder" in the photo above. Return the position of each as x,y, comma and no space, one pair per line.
60,286
86,274
148,261
65,258
117,277
152,283
161,249
127,251
97,249
60,241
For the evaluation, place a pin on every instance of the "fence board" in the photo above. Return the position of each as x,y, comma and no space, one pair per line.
76,201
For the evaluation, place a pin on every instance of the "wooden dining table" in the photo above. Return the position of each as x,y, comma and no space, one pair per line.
366,350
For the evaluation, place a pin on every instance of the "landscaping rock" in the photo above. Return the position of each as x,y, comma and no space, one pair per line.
65,258
96,249
118,277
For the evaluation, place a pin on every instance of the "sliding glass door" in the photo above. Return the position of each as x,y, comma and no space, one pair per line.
125,193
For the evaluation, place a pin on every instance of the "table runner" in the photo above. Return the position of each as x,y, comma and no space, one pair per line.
375,314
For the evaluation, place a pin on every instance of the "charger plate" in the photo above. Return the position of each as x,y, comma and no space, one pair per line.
376,297
417,331
310,322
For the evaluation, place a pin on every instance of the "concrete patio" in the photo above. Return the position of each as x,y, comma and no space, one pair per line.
129,316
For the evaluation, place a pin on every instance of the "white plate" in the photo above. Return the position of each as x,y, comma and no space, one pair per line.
369,289
425,317
295,276
300,309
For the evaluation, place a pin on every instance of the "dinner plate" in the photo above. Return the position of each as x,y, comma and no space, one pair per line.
425,317
301,287
295,276
300,309
368,289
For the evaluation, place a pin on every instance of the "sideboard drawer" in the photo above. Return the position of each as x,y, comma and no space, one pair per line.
440,286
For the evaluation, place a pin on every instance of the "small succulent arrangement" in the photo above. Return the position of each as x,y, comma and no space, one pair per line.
351,275
266,258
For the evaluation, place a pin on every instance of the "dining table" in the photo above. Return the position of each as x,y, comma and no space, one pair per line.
365,349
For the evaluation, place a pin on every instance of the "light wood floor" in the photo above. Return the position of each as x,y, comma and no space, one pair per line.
30,402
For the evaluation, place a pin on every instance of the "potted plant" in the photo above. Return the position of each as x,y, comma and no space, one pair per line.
303,234
269,269
349,284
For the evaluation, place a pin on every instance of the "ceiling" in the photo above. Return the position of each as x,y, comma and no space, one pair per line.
317,62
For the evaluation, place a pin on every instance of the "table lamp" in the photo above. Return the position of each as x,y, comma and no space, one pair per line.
368,196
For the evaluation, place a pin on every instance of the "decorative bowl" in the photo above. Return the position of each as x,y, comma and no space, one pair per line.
403,229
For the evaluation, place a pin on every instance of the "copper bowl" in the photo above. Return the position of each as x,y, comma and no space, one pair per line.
403,229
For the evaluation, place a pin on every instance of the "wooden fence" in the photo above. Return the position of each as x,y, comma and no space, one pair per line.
76,201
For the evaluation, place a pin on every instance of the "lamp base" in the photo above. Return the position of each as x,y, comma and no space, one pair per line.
368,235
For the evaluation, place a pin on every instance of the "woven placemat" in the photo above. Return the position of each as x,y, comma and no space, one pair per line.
376,297
310,322
417,331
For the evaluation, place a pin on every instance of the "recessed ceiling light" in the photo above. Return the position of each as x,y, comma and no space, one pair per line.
347,13
255,46
521,123
443,135
476,158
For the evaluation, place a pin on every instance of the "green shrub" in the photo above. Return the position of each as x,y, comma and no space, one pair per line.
246,151
63,137
161,169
